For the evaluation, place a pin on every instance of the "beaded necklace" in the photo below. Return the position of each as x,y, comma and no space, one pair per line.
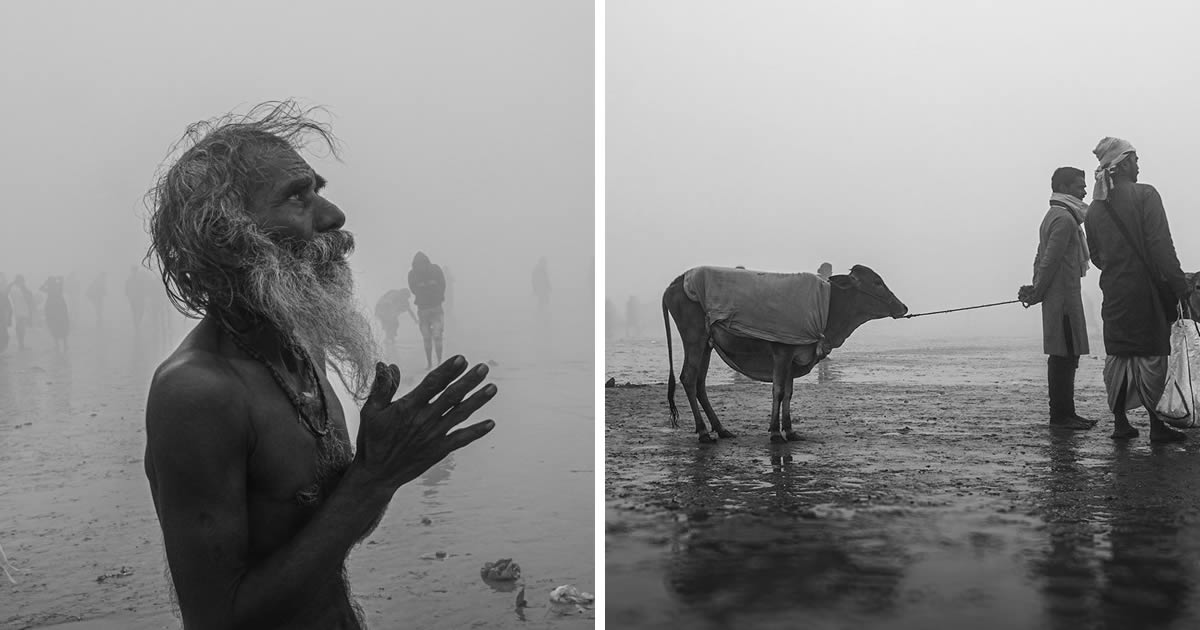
293,397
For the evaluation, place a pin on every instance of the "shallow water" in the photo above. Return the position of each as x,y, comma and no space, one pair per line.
928,492
77,522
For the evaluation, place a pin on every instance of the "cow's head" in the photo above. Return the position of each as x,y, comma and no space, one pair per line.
871,296
1194,299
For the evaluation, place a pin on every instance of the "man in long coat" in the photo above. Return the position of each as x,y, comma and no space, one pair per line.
1135,271
1060,262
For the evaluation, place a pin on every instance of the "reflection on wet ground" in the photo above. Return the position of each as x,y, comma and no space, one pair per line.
78,524
908,506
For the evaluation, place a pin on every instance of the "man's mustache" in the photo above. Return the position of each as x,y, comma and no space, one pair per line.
324,248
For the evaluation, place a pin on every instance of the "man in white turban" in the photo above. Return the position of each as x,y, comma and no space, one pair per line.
1140,276
1111,152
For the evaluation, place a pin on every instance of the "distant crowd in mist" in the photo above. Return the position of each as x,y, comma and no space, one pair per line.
61,306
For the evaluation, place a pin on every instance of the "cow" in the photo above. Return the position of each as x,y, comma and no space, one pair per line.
854,299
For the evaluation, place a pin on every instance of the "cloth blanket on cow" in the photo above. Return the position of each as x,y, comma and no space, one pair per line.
747,309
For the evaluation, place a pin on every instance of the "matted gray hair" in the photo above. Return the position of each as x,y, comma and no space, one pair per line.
198,215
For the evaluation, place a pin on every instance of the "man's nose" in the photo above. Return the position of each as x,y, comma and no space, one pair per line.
328,217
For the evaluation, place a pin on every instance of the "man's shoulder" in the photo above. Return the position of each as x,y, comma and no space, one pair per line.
1145,191
195,380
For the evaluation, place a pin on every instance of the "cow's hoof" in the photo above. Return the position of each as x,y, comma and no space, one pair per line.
725,434
777,438
706,438
792,436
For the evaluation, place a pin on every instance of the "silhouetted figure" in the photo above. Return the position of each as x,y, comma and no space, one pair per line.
541,283
632,325
825,271
95,294
135,292
428,286
58,319
22,305
6,313
388,309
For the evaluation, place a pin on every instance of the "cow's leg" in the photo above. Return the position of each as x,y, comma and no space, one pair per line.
788,386
778,372
702,394
691,376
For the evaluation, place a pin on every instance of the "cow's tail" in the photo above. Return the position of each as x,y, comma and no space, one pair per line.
670,362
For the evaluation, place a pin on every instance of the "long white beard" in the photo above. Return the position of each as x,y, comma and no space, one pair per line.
307,290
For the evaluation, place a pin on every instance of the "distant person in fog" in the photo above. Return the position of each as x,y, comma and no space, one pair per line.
428,286
96,292
541,283
6,313
22,305
388,309
58,320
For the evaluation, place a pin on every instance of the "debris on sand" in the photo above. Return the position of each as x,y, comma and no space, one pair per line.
567,594
611,382
502,570
124,572
6,565
425,520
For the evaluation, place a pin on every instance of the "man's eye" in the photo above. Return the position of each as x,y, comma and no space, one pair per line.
298,197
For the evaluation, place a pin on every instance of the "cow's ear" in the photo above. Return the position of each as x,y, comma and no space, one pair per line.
843,281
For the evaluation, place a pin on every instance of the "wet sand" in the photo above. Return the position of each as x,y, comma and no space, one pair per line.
77,522
929,492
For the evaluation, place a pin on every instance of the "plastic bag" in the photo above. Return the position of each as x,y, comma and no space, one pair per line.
1181,397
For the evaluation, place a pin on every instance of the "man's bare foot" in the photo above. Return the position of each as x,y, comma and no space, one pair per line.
1164,433
1125,432
1074,424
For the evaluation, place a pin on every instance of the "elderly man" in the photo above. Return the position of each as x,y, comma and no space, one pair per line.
258,492
1060,262
1140,277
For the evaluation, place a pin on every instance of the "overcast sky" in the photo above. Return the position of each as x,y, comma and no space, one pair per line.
467,127
917,137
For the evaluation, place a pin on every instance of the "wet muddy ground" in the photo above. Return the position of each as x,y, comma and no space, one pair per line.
78,525
929,492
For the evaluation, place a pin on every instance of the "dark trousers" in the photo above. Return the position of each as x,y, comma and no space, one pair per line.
1060,378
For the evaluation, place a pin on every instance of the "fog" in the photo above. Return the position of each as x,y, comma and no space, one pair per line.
466,129
916,138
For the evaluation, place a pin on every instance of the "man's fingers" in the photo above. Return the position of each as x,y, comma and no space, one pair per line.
465,436
436,381
463,410
387,379
455,393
